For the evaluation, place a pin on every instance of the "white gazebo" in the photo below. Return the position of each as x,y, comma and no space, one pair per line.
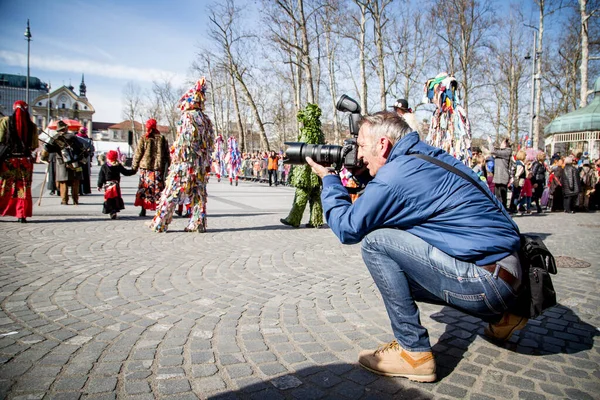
577,131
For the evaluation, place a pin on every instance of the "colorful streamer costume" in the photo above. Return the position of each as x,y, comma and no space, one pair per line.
450,128
234,160
190,164
219,157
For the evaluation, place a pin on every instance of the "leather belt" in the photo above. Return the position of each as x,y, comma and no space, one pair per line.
504,275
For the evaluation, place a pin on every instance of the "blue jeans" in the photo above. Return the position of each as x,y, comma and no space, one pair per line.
525,202
405,268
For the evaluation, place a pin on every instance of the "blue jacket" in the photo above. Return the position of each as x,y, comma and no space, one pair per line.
426,200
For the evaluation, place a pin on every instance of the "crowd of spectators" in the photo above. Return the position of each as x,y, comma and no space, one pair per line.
526,180
255,168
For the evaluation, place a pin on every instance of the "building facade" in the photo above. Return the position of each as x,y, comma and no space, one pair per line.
13,88
63,103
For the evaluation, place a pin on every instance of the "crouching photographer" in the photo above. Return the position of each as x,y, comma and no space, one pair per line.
428,235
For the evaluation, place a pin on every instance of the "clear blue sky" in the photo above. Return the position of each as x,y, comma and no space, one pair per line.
110,41
113,42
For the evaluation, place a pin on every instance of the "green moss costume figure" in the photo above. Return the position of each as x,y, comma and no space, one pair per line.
306,182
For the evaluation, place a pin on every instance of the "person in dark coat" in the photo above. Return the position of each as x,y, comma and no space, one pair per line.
109,178
52,185
68,173
502,160
555,198
571,185
84,185
538,168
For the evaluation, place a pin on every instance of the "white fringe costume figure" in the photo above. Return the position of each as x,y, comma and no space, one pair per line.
219,157
234,160
190,164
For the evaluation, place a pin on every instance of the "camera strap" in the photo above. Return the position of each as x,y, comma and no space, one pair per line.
463,175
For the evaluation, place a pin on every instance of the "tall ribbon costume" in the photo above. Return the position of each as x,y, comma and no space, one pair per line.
450,129
234,160
20,135
190,164
307,183
219,157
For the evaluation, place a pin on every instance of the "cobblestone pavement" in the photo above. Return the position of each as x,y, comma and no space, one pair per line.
95,308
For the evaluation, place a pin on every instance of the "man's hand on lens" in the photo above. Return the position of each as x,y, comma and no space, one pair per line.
319,169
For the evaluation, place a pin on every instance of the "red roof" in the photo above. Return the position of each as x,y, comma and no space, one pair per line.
126,126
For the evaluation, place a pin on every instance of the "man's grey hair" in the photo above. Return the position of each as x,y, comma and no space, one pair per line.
386,124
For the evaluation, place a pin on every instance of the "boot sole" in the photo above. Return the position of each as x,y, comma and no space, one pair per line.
412,377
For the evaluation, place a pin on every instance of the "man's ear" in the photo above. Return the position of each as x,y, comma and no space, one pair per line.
385,146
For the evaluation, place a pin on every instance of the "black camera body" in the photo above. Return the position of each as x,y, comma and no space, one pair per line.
337,156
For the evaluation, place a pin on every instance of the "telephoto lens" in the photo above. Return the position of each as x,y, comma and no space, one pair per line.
324,154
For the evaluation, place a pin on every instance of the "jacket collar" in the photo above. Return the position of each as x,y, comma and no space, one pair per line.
403,146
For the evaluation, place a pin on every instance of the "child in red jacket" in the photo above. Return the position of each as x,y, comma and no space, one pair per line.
526,194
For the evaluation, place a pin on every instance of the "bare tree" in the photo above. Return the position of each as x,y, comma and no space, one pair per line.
357,32
331,18
225,20
132,106
411,52
546,8
167,98
586,13
561,72
377,9
509,59
467,29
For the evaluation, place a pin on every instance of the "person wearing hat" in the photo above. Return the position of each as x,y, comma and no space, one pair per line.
502,161
20,136
109,179
68,173
588,183
151,158
402,109
571,185
85,186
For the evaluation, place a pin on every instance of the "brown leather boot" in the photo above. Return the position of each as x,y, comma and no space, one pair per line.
503,330
392,360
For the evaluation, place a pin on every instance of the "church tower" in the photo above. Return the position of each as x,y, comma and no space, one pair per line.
82,87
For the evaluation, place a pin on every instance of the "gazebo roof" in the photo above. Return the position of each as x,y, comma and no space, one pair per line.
586,119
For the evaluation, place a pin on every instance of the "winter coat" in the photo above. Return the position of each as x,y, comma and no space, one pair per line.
64,172
152,153
538,170
501,165
112,173
520,174
434,204
588,177
570,181
7,124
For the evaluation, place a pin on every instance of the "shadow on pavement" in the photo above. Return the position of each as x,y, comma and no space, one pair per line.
70,218
249,228
335,381
544,235
557,331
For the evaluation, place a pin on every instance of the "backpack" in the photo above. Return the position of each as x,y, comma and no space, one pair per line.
586,179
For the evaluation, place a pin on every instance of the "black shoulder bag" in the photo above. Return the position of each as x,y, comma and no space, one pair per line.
537,263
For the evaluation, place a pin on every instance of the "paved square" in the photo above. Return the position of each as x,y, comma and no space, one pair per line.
95,308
